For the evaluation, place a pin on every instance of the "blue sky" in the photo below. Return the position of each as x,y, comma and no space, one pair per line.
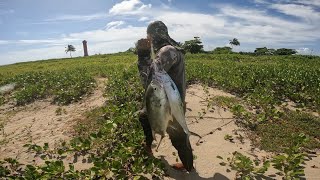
40,29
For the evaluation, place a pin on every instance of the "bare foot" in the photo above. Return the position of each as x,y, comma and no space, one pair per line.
178,166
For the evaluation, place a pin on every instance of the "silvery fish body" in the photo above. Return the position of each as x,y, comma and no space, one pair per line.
166,115
158,107
164,103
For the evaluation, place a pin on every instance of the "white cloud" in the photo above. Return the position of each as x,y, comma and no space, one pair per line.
259,26
301,11
59,51
304,51
33,41
129,7
143,18
261,1
181,25
257,17
251,26
36,54
254,28
4,42
309,2
50,42
72,17
299,2
109,35
99,41
114,24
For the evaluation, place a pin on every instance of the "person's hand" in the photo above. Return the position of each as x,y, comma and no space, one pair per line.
143,45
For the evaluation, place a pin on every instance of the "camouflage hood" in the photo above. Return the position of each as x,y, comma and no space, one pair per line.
160,36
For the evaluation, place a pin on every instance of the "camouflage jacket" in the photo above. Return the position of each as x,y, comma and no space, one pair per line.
171,60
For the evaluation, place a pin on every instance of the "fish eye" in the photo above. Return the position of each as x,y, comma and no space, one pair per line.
155,88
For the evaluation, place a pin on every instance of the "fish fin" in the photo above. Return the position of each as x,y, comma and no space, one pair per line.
159,143
154,136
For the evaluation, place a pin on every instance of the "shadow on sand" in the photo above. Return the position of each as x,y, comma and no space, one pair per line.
193,175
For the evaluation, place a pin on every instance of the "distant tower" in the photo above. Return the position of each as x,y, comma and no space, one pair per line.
85,48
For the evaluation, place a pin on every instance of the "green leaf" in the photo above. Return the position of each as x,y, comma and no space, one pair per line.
43,156
46,146
93,136
136,177
60,151
27,145
99,134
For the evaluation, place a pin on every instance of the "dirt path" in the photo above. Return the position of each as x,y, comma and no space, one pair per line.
220,122
42,122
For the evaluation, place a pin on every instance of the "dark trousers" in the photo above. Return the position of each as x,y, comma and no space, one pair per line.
143,118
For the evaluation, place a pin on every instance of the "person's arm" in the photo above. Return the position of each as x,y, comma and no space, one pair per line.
144,60
167,57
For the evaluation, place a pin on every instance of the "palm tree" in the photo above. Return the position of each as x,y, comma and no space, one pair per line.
70,49
234,42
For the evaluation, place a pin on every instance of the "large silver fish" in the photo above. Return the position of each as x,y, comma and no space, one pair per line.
166,115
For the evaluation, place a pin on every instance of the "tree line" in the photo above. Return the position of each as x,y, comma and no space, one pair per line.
195,46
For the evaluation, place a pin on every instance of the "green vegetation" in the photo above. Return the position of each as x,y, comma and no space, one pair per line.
264,51
277,135
291,164
263,82
65,80
246,168
228,137
281,51
1,100
193,46
234,42
222,50
111,148
70,48
64,86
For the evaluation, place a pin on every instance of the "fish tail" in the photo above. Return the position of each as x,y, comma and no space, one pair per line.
159,143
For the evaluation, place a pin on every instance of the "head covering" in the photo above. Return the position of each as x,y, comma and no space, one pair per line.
160,37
